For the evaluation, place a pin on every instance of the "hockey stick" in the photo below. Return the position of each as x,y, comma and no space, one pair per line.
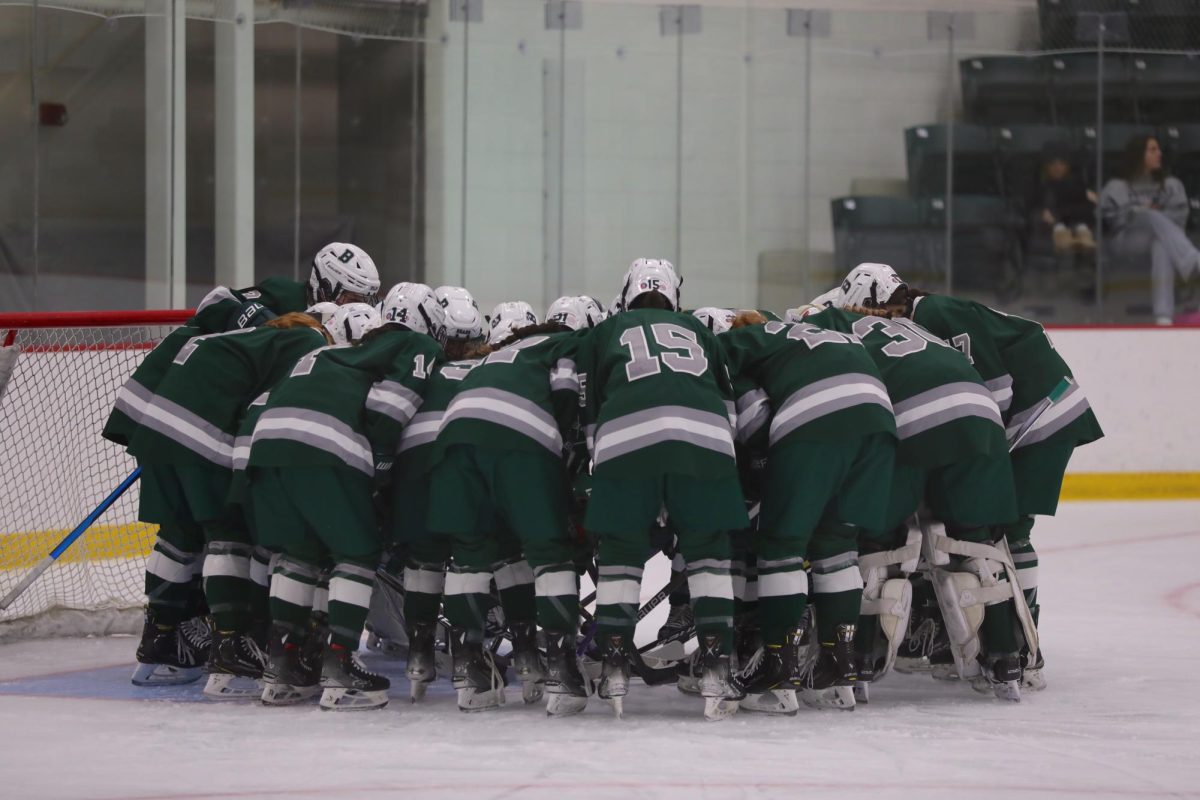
1041,408
45,563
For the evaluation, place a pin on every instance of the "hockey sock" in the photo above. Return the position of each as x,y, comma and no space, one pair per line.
350,587
227,585
1025,559
260,575
680,596
557,587
423,586
514,582
169,573
293,585
837,592
468,598
710,582
782,595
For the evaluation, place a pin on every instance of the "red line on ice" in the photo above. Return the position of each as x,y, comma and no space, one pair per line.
1178,599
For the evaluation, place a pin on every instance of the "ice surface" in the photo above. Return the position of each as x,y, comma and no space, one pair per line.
1121,627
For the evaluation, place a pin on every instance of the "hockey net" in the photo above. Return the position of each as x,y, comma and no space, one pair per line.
59,377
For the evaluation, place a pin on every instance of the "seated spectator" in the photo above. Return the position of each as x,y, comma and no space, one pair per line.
1144,212
1061,203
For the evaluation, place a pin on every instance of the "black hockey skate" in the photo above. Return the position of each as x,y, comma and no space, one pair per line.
347,685
613,684
235,667
422,660
293,672
771,675
480,681
680,625
171,655
1000,674
527,661
720,691
830,684
567,690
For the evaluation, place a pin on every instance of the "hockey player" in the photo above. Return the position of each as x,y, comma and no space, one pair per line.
575,312
499,456
952,463
659,397
170,651
327,430
829,435
1018,363
508,317
186,437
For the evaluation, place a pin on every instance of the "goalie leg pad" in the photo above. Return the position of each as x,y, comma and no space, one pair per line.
958,598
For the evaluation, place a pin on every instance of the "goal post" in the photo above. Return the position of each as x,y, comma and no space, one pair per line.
59,376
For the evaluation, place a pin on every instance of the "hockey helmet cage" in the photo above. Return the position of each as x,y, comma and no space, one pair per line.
717,320
464,321
351,322
647,275
343,269
869,286
414,306
508,317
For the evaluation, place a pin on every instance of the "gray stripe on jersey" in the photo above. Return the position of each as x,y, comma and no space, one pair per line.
1070,407
825,397
393,400
753,411
186,428
1001,389
319,430
631,432
421,429
509,411
943,404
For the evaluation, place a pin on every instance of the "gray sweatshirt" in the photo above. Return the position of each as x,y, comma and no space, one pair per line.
1121,199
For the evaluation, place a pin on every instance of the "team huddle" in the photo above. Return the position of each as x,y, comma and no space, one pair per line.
842,492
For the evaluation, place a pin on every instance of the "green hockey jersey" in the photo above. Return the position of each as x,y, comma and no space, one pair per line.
221,310
1017,362
341,405
944,412
521,397
415,450
658,398
821,385
195,411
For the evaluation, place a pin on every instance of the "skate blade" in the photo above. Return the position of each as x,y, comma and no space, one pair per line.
719,708
618,705
340,699
283,694
222,686
472,700
862,693
564,705
532,691
1008,690
1033,680
776,702
688,685
165,675
840,698
417,690
944,672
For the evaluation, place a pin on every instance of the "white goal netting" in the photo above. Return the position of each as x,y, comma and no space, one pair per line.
55,469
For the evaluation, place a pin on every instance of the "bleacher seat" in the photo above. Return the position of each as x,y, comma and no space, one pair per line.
877,228
1166,86
927,149
985,240
1182,146
1005,89
1113,143
1073,80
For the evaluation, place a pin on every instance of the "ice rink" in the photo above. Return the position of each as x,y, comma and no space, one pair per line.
1120,590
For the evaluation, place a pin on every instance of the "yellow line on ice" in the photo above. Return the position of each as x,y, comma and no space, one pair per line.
1131,486
101,542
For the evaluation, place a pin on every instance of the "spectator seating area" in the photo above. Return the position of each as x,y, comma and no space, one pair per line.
1014,107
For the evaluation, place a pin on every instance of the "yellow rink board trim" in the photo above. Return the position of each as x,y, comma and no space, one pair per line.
23,550
1131,486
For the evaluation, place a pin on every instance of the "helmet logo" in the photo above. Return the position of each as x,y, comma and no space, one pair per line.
347,256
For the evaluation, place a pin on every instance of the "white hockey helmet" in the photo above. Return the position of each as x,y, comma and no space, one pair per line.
814,306
595,309
718,320
570,311
647,275
322,311
341,269
352,321
464,321
414,306
508,317
869,286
